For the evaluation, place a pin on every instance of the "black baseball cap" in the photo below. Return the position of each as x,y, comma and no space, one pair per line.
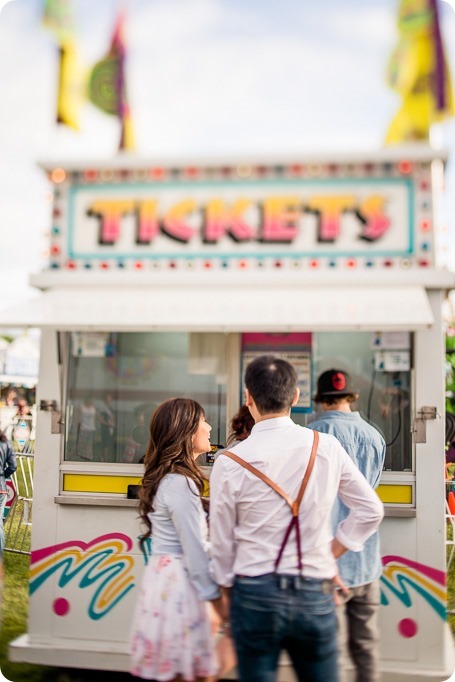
335,382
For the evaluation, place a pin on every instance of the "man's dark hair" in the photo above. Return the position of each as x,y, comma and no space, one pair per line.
272,383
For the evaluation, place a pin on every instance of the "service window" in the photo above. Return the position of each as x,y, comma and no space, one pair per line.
116,380
380,365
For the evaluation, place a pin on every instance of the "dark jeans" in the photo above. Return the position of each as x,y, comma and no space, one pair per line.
272,612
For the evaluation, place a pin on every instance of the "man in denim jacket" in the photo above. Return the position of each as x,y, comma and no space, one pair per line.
360,571
7,467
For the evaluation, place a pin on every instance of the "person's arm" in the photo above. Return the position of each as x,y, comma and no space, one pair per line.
184,504
365,508
338,549
222,523
10,461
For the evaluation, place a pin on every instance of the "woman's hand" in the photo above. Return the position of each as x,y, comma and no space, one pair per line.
215,616
220,609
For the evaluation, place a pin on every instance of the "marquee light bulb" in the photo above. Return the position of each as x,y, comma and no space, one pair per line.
58,175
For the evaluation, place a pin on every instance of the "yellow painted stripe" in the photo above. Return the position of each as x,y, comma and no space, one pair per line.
395,494
90,483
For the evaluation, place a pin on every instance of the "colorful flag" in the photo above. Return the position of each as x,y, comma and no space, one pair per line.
419,72
58,19
107,86
71,88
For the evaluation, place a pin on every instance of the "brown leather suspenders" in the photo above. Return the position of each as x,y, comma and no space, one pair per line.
294,504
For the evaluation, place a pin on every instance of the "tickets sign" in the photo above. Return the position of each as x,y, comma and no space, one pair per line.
290,217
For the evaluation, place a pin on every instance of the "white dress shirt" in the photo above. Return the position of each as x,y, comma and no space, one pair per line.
248,519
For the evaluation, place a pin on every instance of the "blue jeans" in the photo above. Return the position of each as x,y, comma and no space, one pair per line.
273,612
3,499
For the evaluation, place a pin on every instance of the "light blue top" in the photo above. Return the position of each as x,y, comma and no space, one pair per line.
179,526
366,447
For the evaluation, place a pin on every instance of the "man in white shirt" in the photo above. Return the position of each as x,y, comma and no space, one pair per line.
283,574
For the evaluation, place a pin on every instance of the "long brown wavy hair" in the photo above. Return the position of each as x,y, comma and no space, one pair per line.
170,450
241,425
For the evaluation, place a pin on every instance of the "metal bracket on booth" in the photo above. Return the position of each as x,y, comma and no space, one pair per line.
420,428
56,415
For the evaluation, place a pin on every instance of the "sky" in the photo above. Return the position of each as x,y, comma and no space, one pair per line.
206,78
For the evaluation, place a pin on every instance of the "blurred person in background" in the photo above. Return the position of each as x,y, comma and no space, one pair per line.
136,442
86,419
11,398
357,610
7,467
107,429
23,409
241,425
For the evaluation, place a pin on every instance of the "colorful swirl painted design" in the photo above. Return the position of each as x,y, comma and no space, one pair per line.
103,566
400,577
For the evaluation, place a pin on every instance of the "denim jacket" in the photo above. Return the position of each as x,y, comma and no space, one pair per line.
7,463
365,445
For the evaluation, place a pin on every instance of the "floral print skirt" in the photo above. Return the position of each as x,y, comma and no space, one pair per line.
171,629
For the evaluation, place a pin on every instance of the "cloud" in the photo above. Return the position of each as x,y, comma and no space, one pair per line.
451,3
202,80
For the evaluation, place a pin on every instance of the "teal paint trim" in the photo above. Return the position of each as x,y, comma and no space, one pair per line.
240,181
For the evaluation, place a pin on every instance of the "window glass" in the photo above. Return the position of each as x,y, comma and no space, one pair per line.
115,381
383,385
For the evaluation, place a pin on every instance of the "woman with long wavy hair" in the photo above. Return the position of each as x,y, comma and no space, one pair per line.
179,606
241,424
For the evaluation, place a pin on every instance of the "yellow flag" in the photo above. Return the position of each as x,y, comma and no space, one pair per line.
128,140
70,97
418,71
58,19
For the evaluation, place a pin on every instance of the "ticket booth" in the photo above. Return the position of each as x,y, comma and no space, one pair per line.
167,279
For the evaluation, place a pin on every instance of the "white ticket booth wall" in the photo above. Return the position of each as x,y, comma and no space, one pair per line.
120,334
